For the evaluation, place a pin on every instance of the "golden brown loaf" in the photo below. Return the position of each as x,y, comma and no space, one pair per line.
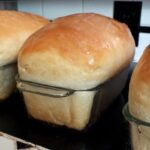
78,51
15,28
139,92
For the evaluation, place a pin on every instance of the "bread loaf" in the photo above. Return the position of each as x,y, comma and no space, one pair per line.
80,52
83,48
15,28
139,104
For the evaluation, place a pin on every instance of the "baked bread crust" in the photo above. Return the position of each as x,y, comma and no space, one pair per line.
79,51
139,91
15,28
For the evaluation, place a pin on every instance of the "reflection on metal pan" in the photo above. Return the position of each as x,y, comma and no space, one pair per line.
142,126
131,118
48,90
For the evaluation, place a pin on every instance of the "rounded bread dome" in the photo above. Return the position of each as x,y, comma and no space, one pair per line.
15,28
78,51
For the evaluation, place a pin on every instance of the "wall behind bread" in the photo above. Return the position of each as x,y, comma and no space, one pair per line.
56,8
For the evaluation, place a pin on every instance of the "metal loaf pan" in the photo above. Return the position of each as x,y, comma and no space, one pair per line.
104,96
107,93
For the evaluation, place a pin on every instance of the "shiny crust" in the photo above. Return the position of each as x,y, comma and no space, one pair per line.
15,28
78,51
139,91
